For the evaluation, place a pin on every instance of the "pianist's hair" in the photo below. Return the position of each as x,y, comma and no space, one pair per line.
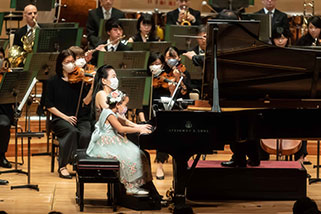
102,73
112,102
112,23
61,57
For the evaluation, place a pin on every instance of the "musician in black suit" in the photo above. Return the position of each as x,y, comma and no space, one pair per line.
183,12
104,11
278,17
6,119
30,13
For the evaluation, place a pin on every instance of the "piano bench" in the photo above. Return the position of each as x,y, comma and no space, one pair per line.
96,170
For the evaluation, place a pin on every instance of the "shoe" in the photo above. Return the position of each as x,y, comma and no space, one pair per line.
253,163
160,177
66,176
5,163
233,163
3,182
306,162
136,191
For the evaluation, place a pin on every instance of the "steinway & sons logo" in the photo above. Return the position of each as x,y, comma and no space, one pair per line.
188,129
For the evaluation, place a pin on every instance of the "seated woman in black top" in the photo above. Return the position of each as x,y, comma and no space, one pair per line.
313,36
145,29
73,131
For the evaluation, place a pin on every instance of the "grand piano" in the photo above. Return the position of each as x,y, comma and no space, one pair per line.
280,85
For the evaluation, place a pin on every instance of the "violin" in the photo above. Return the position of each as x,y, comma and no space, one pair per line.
82,75
163,80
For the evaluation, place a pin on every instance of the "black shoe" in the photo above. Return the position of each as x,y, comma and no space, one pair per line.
3,182
5,163
64,176
233,163
253,163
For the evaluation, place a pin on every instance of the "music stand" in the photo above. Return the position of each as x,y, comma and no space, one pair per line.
129,28
42,63
181,43
231,4
1,21
4,43
46,5
17,86
136,84
59,25
150,46
56,39
196,72
265,32
124,59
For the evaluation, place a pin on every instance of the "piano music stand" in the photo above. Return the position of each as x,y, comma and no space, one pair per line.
317,179
136,84
124,59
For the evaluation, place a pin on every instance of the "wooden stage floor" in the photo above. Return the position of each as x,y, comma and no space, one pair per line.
59,194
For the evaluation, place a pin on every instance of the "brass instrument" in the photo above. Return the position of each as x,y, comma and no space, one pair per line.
306,4
184,20
17,55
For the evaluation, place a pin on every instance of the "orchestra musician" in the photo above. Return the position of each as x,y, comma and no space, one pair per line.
69,105
183,13
107,142
278,18
30,13
313,35
198,52
145,29
280,36
6,119
114,30
104,11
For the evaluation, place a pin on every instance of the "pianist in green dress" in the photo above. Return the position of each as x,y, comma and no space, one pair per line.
107,141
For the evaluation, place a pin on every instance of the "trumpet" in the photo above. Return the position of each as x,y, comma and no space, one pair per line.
185,21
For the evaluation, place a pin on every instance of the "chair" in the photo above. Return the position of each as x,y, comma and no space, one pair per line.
96,170
54,150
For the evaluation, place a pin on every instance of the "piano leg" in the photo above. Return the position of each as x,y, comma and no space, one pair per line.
180,178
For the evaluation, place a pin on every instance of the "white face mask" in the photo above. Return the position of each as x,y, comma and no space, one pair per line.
113,83
123,112
81,62
156,69
69,67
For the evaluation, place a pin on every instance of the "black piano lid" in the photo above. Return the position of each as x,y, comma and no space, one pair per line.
251,71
